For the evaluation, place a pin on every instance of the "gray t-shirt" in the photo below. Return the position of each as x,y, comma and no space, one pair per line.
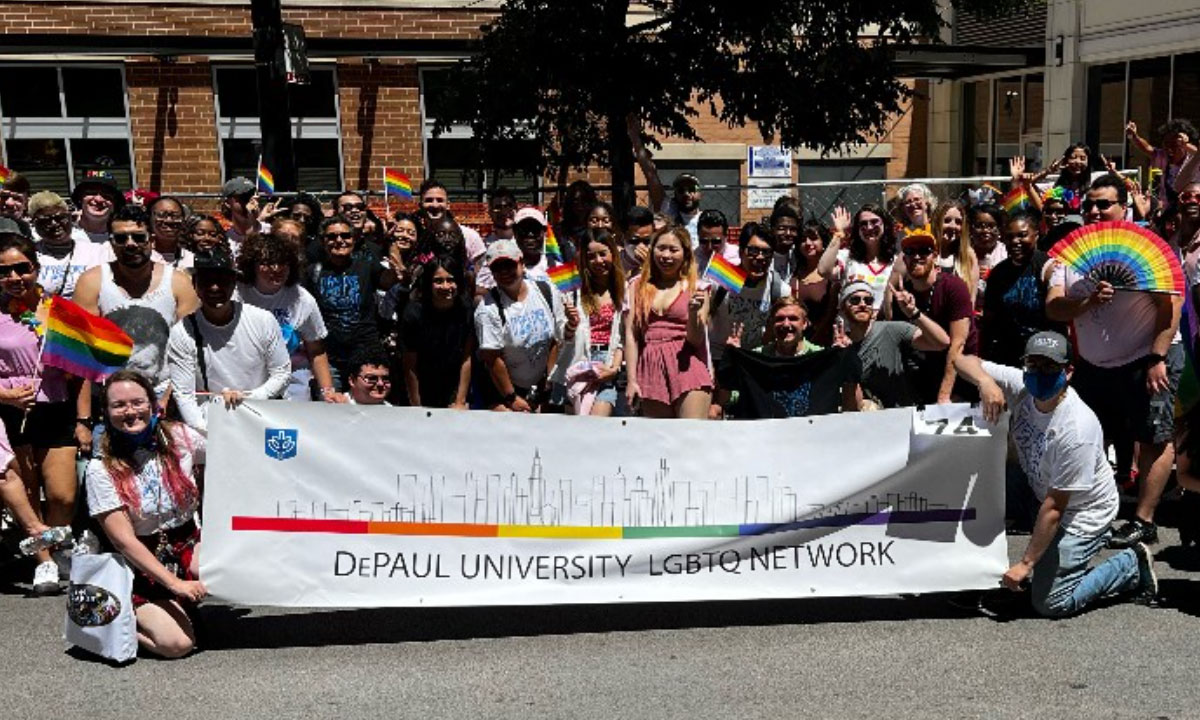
882,355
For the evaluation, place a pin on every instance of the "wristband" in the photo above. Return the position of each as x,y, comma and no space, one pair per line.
510,398
916,316
83,421
1155,358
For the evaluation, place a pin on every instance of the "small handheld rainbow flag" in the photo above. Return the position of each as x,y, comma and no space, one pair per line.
83,344
396,183
266,181
1015,199
551,248
726,274
5,174
565,277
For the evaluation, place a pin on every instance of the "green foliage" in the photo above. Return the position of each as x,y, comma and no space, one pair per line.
807,73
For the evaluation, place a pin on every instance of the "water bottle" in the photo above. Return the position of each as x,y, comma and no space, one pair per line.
50,537
86,544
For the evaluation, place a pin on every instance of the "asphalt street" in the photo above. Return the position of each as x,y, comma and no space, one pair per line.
896,657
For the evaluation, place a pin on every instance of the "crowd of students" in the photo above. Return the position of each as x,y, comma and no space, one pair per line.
929,300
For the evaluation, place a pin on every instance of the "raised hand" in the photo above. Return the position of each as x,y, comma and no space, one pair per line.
841,223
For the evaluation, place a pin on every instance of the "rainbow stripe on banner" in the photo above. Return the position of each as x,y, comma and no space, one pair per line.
551,248
1015,199
565,277
243,523
726,274
265,181
83,344
397,183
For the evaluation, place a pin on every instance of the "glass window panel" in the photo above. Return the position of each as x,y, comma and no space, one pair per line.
29,91
237,92
318,165
1106,109
1186,99
1149,103
455,164
976,121
1008,111
241,158
94,92
44,162
1032,136
728,202
110,155
318,99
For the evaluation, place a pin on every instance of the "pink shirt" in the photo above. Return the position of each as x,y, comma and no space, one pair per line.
19,346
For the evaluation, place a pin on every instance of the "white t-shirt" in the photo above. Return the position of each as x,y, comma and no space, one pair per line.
57,275
691,222
750,308
527,333
474,243
158,510
246,354
1061,450
1112,334
300,321
875,274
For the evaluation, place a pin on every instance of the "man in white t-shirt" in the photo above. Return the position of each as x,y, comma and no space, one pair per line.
97,198
227,347
520,325
1060,447
1130,362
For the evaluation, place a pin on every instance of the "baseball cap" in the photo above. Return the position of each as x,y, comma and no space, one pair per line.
8,226
237,186
855,286
917,238
529,213
685,179
1050,345
98,182
502,250
216,259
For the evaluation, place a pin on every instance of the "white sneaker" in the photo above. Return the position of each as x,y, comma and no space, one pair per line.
45,579
62,558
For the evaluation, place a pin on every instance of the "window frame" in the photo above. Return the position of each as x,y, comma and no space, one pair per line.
68,128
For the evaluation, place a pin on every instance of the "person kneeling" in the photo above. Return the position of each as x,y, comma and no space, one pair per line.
144,493
1061,450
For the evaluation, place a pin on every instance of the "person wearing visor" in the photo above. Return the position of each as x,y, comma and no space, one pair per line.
1060,447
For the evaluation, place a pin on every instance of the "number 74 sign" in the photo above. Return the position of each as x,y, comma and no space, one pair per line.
955,419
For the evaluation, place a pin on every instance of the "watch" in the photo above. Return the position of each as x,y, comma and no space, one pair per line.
1155,358
510,398
916,316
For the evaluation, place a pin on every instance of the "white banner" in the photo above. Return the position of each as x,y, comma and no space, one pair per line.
317,505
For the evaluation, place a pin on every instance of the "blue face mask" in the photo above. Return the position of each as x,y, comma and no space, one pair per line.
142,438
1044,386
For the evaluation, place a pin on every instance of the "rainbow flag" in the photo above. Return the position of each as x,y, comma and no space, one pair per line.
5,174
565,277
1015,199
726,274
551,248
396,183
83,344
266,181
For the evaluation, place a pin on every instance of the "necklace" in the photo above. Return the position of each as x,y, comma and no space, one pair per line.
24,314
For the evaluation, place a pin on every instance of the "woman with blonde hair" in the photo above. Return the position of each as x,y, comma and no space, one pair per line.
666,339
955,254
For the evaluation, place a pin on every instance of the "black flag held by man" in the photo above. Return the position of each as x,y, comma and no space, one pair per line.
780,387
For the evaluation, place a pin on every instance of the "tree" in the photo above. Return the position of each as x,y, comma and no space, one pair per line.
591,86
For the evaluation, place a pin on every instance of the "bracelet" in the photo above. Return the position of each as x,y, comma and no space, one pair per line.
916,316
83,421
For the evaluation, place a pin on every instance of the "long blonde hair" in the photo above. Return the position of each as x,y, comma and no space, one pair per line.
966,265
650,275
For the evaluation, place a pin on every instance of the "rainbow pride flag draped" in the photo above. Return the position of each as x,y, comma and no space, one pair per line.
565,277
551,248
5,174
83,344
396,183
726,274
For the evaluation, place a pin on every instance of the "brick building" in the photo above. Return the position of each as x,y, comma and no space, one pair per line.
162,94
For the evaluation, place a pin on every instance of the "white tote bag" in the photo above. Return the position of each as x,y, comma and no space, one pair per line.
100,617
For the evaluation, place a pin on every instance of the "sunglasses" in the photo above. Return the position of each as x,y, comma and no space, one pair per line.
758,252
1189,197
923,251
61,219
1102,205
352,207
339,236
139,238
856,300
21,268
376,379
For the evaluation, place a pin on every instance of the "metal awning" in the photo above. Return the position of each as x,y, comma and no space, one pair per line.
951,62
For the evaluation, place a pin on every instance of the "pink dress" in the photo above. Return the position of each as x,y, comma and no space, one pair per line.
668,366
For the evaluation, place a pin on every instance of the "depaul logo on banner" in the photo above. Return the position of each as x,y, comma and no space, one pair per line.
282,443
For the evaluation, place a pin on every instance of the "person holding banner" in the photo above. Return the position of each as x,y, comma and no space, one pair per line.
143,492
1060,446
38,406
666,341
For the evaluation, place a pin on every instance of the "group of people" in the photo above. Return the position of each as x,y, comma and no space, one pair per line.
928,300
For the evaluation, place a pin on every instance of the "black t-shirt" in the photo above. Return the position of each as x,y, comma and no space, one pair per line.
346,298
439,338
1014,309
947,301
780,387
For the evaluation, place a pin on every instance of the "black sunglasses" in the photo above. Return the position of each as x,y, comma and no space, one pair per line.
140,238
856,300
21,268
1103,204
923,251
339,236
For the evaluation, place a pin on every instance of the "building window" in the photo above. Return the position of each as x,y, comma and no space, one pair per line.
316,131
453,159
1002,118
58,122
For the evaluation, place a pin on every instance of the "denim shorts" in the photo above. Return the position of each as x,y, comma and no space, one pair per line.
1118,397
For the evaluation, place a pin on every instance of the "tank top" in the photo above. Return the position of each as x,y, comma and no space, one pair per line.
147,320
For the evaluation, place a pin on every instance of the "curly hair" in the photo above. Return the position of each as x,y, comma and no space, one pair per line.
264,249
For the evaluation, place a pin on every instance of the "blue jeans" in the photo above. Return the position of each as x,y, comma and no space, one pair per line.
1062,583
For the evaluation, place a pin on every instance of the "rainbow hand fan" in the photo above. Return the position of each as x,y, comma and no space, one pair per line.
1124,254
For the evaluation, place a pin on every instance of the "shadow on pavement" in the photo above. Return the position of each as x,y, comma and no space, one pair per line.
228,628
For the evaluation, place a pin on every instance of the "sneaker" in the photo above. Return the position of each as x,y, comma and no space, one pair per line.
45,579
1133,532
1147,590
